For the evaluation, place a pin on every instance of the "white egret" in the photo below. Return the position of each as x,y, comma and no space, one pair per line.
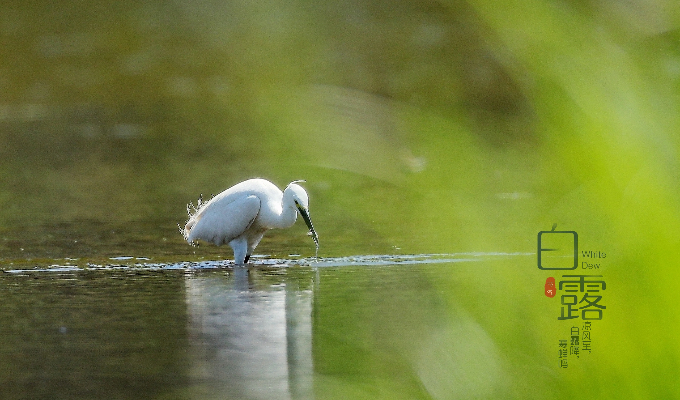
243,213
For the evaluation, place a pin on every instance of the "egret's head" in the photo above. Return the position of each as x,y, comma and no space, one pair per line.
301,201
298,194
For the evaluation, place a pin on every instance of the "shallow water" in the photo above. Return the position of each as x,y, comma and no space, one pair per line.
278,329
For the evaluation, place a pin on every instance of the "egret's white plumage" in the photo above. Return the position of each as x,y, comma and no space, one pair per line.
243,213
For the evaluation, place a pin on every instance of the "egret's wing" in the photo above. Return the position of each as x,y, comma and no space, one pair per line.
223,220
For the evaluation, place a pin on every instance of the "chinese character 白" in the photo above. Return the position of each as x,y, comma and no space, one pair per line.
574,336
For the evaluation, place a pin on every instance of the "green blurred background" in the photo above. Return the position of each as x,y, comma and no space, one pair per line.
420,127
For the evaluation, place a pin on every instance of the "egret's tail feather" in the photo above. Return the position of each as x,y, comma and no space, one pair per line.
186,232
193,212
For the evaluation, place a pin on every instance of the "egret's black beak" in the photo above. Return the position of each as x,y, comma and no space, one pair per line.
308,221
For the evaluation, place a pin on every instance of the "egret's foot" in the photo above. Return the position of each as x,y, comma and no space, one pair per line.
246,259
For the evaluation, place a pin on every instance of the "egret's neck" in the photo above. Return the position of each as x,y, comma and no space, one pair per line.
288,213
287,217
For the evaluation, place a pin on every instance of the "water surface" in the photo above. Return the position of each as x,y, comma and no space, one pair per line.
279,329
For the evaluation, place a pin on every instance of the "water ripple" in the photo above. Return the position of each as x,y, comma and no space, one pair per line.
263,262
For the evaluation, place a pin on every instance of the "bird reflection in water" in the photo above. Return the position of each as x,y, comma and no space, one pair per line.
249,342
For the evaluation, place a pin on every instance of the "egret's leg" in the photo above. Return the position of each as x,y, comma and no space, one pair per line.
240,247
253,241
